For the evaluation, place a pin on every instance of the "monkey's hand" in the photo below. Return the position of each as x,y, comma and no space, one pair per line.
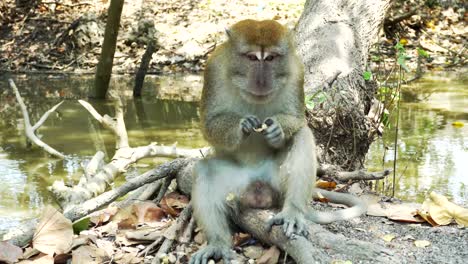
212,252
293,223
274,134
249,123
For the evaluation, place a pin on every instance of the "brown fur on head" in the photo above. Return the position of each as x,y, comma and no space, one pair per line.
263,33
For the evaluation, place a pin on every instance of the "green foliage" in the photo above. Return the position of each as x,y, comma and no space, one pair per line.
401,56
81,225
422,53
367,75
318,97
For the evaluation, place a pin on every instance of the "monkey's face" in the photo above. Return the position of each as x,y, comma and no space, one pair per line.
259,59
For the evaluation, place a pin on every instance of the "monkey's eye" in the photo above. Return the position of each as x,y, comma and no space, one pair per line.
251,57
269,57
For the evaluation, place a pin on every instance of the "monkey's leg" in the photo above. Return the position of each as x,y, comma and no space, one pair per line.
210,209
296,179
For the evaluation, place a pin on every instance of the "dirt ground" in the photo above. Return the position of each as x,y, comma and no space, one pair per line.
65,36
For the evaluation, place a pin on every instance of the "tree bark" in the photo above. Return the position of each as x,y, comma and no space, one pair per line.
104,67
333,39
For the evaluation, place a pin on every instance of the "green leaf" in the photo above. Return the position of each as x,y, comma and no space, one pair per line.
423,53
310,105
81,225
367,75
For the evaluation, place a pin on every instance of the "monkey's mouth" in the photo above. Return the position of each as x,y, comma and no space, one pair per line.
259,95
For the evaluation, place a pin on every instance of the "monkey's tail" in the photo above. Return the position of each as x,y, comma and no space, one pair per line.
356,208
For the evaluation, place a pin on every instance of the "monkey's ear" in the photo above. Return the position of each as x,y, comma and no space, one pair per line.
228,32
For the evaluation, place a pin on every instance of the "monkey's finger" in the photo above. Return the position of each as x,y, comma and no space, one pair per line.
274,221
254,121
205,258
288,228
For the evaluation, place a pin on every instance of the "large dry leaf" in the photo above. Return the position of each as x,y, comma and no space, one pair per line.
54,233
148,212
443,212
88,255
270,256
405,212
39,259
9,253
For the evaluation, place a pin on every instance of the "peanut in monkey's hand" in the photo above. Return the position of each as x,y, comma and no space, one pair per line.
249,124
261,128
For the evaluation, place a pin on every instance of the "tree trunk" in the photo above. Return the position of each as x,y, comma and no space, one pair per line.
333,39
145,61
104,67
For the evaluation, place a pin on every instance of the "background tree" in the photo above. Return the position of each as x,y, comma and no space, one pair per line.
104,67
333,39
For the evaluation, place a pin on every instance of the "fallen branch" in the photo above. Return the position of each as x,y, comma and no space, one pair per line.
29,129
97,183
22,237
319,246
173,232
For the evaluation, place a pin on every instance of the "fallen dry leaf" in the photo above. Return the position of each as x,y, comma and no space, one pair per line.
173,202
270,256
54,233
104,215
39,259
329,185
443,212
422,243
9,253
148,212
405,212
128,223
88,255
241,238
388,237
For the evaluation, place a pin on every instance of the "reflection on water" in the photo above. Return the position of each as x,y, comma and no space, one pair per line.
433,155
26,172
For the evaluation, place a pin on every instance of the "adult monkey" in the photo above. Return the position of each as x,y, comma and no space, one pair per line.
255,80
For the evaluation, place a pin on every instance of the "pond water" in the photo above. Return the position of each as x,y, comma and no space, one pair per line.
433,154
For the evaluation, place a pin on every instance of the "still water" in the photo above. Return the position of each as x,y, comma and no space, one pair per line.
433,154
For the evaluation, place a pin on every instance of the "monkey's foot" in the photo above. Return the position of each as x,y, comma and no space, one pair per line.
212,252
293,223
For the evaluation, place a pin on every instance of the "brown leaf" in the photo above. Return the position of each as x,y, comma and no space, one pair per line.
39,259
54,233
88,255
176,200
104,215
129,223
270,256
148,212
9,253
443,212
241,238
325,185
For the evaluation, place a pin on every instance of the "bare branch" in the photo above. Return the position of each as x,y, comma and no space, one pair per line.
45,116
31,129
